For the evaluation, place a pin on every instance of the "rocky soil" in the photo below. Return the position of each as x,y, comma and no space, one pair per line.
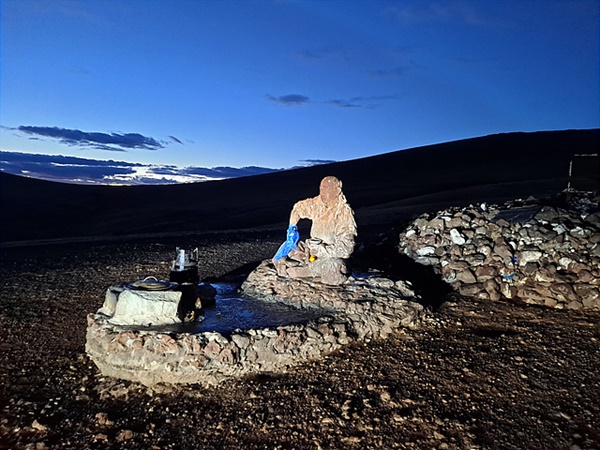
478,374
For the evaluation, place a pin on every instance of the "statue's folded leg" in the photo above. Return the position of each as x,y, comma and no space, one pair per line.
299,272
291,268
298,254
332,271
280,267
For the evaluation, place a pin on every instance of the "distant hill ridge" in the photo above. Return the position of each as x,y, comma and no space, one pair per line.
382,189
76,170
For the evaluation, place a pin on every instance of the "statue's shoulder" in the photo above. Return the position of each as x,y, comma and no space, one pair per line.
347,218
307,202
347,208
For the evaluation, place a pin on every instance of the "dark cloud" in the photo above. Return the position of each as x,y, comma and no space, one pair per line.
317,162
166,170
353,102
58,160
361,102
101,141
344,104
63,168
173,138
290,99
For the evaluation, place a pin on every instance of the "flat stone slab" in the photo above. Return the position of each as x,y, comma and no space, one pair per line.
145,308
363,308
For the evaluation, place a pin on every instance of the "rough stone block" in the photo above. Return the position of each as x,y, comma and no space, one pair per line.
146,308
110,301
457,237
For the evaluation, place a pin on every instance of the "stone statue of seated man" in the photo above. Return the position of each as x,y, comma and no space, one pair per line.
331,240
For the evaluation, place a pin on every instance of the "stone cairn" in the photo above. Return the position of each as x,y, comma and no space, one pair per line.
523,250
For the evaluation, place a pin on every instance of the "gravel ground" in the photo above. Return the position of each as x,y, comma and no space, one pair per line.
477,375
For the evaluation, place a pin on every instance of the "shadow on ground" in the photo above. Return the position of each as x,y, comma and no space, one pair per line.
380,254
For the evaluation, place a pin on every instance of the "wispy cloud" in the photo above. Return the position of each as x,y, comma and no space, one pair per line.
398,71
361,102
80,71
323,54
309,55
290,99
353,102
97,140
173,138
344,104
437,11
402,51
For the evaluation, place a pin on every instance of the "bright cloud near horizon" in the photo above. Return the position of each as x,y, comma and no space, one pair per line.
274,82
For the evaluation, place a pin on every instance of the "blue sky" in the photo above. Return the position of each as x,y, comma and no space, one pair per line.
272,83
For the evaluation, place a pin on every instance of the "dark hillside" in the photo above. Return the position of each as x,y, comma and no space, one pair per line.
382,189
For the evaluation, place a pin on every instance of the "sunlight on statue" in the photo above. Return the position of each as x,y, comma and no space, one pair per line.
331,240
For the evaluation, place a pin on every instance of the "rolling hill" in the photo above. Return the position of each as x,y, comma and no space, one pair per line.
382,189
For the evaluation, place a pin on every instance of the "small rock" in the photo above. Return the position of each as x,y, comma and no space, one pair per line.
466,276
471,290
530,268
547,214
38,426
425,251
124,435
529,256
456,237
102,419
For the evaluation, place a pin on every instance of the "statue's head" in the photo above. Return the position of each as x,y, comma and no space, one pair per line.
330,190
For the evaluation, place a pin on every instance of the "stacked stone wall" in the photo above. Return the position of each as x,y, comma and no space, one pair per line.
539,254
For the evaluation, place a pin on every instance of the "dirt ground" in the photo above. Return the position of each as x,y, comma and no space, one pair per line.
477,375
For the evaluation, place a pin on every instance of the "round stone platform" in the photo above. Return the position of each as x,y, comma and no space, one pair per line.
365,307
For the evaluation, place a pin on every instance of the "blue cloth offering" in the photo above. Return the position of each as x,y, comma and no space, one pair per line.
290,244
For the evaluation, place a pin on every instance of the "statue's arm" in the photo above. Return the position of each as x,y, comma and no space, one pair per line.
301,210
